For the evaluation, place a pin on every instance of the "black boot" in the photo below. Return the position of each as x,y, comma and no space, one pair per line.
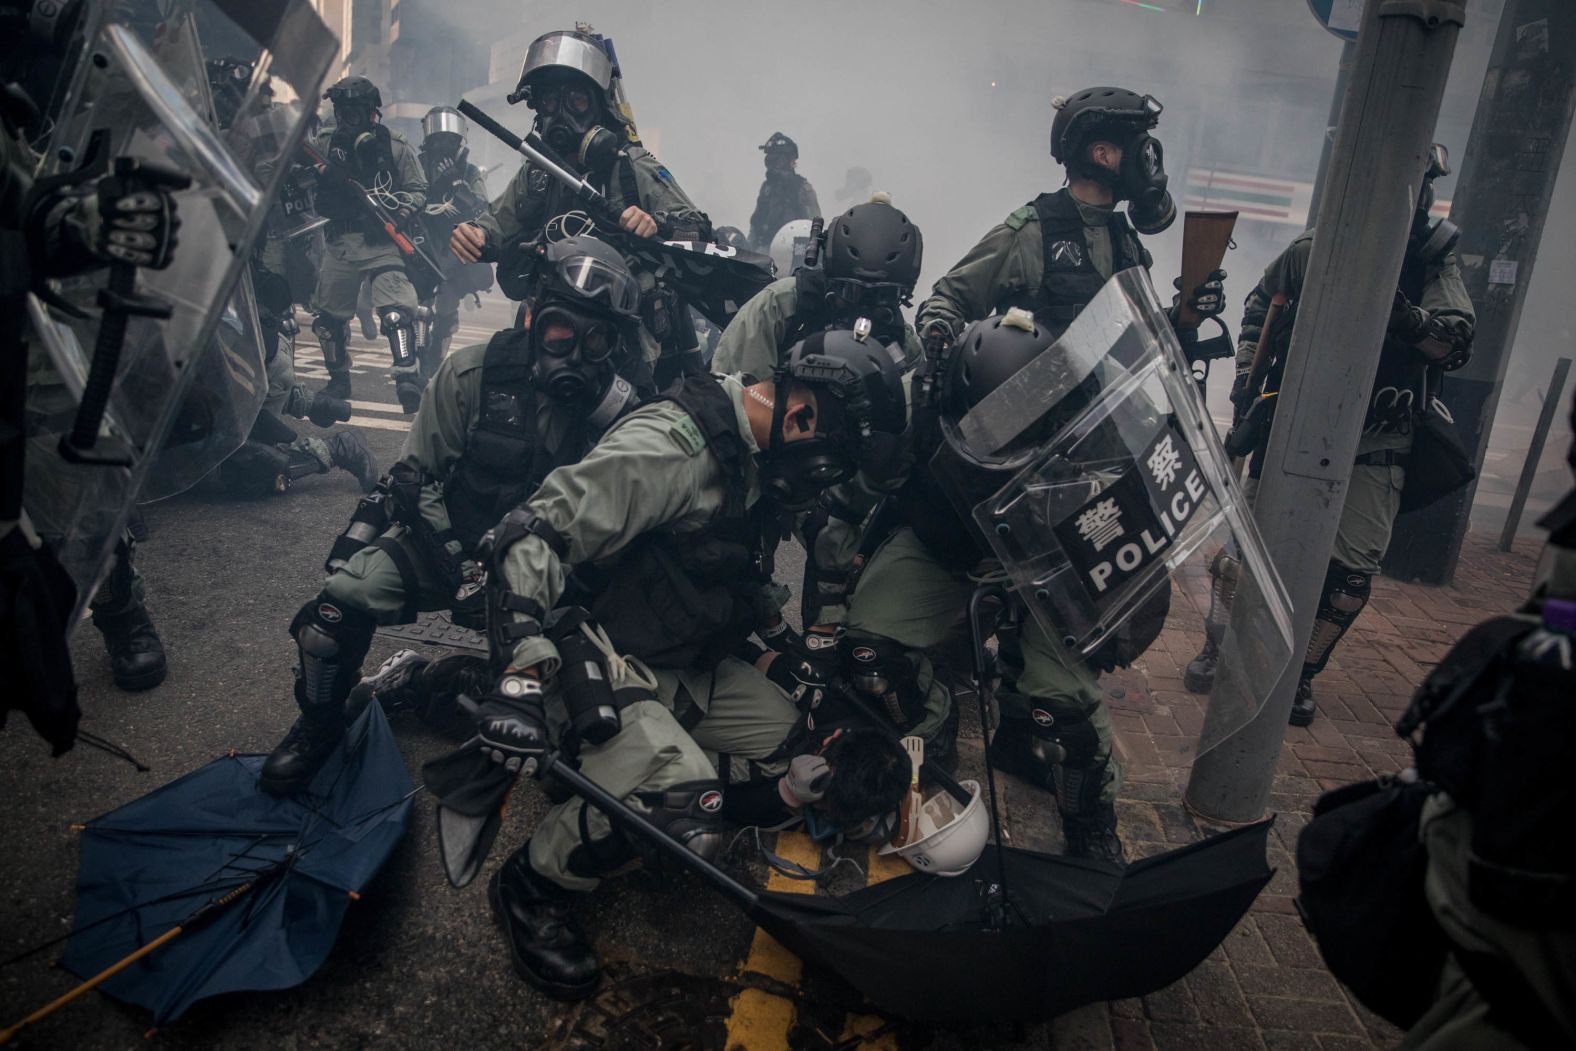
136,656
546,943
1093,835
297,759
338,385
1302,709
348,452
1199,676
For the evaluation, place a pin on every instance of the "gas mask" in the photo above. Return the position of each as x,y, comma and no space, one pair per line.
353,116
597,150
1142,183
573,355
793,474
567,114
880,302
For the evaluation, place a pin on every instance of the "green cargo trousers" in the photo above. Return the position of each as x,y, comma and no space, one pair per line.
905,594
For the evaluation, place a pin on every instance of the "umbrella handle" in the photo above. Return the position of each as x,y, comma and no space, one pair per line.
201,916
7,1035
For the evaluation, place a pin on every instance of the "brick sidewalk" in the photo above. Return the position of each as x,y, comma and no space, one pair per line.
1266,987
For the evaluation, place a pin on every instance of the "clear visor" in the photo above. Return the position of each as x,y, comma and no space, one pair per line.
591,278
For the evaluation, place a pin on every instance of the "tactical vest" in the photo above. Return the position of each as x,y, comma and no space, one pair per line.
504,460
370,167
544,198
687,600
1070,279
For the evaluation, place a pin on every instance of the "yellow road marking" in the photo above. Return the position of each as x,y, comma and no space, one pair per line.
760,1021
885,867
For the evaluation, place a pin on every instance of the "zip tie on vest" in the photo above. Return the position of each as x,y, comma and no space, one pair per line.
622,670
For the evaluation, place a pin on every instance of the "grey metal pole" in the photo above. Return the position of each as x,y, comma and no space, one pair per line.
1343,80
1387,120
1529,469
1501,201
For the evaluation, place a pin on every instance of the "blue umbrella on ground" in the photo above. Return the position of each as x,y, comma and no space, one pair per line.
210,885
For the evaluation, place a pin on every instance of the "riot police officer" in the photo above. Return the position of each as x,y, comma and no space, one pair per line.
569,82
493,422
675,505
456,193
1430,333
358,248
785,195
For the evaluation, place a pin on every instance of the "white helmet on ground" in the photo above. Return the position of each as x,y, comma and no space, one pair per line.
789,244
951,835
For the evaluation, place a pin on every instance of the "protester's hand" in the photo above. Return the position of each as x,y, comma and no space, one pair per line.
638,222
467,242
806,780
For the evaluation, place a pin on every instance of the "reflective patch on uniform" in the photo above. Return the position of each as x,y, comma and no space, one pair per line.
686,432
1067,253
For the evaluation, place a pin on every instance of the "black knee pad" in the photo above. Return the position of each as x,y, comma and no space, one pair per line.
332,640
690,812
1343,598
882,671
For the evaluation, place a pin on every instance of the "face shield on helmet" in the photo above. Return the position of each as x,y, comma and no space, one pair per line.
444,131
565,80
951,835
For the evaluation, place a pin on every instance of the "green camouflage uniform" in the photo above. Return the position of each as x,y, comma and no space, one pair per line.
532,192
1373,496
652,471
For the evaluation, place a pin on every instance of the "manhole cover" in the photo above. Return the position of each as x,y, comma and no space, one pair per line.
649,1011
436,629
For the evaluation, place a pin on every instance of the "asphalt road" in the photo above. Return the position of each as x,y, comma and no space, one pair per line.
418,964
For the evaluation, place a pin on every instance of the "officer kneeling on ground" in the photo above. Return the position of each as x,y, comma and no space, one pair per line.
494,422
663,533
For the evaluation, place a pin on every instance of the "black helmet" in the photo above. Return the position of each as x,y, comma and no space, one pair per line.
780,143
986,355
228,79
354,89
872,245
863,416
1097,113
590,274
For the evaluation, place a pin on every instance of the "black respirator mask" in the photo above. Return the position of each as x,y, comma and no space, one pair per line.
1142,183
353,116
881,302
793,474
574,370
569,119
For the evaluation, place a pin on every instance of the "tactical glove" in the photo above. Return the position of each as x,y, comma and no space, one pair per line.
137,220
1207,300
511,727
937,339
802,681
819,647
1407,322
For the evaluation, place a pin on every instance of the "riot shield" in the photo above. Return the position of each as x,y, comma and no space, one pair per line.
138,88
1096,477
